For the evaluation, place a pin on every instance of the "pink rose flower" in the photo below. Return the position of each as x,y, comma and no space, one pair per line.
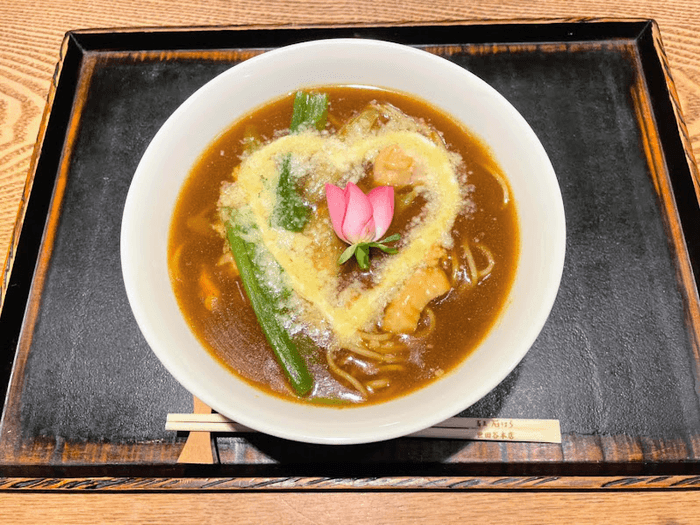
360,220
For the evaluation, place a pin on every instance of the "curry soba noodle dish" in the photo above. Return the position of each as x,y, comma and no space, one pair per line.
343,246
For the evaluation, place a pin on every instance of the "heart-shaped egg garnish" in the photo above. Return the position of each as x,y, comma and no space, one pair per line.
318,298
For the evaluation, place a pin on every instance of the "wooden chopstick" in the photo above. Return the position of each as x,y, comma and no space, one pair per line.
478,429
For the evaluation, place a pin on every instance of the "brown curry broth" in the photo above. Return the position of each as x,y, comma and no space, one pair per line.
231,332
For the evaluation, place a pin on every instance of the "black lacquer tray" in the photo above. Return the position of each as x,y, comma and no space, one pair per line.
617,363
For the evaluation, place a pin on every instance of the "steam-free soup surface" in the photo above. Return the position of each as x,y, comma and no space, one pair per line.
478,260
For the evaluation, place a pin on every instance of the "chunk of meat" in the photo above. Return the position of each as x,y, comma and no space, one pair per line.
209,293
393,167
403,313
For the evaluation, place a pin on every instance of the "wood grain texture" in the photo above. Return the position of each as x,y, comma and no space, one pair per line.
30,43
356,508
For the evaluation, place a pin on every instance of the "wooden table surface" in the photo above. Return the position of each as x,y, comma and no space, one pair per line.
30,38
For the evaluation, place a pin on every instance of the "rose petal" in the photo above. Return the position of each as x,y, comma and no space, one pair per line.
337,204
382,200
358,214
368,231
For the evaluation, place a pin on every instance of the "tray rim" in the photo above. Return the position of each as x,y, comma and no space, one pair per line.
216,484
88,41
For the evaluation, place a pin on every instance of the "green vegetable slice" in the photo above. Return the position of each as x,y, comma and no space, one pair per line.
310,110
290,212
284,348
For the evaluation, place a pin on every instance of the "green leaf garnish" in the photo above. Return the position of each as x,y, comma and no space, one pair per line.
347,254
391,238
362,255
361,250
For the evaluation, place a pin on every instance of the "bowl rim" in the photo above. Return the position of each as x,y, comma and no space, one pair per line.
382,430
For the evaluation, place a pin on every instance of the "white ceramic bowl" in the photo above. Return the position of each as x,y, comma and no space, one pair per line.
214,107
